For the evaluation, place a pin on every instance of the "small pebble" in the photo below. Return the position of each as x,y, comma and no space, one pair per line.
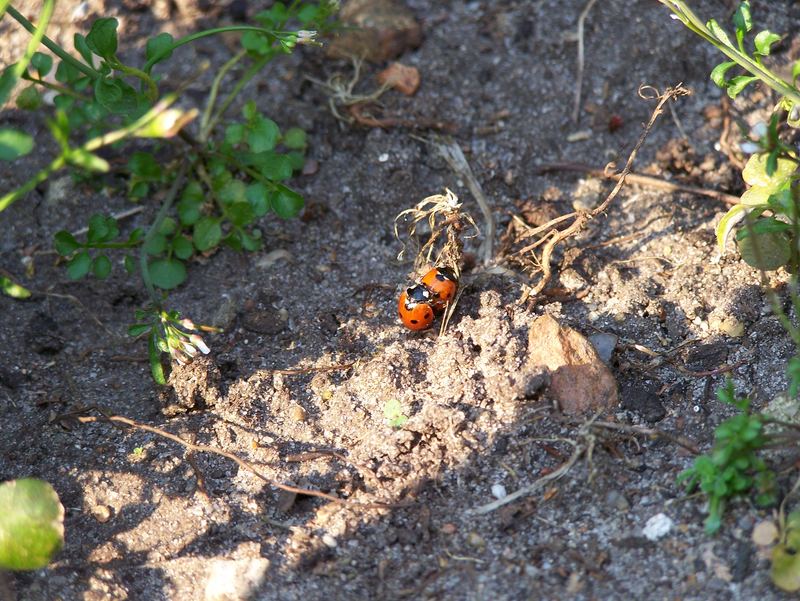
102,513
448,528
499,491
329,541
657,526
297,413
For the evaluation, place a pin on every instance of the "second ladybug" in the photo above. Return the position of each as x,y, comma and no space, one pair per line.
415,307
442,284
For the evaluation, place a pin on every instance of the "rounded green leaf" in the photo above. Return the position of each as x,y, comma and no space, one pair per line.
102,37
295,138
258,197
65,243
159,48
31,524
182,247
755,172
233,191
234,133
167,273
79,265
156,244
206,234
768,250
167,226
287,203
14,144
101,267
263,135
42,63
29,99
144,165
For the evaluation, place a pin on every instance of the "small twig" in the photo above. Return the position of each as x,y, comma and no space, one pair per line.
677,439
576,109
583,217
642,180
199,448
118,216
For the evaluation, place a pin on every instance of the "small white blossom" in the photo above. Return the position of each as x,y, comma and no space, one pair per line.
198,342
305,36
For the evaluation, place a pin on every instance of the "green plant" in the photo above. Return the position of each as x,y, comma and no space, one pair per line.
31,524
734,466
393,412
230,173
769,208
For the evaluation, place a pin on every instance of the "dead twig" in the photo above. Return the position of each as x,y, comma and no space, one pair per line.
245,465
576,109
555,237
642,180
308,370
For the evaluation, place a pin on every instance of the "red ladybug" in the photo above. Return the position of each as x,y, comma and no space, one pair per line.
415,308
442,283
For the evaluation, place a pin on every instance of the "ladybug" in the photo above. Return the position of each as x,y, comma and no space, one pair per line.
442,283
415,308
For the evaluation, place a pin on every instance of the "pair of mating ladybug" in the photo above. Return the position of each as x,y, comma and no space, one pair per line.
419,303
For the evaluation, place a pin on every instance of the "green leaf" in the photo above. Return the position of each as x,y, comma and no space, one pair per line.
8,80
739,83
718,73
188,211
138,329
14,144
115,95
102,229
250,111
167,226
159,48
795,69
101,267
145,166
718,32
182,247
42,63
29,99
79,41
167,274
286,202
723,230
755,173
78,266
67,73
251,242
31,524
255,42
295,138
263,135
768,251
258,196
102,37
764,41
193,191
86,160
233,191
156,245
240,213
742,21
206,234
393,412
271,165
130,264
155,359
234,133
12,289
65,243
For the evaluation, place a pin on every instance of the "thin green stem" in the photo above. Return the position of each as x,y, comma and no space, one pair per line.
144,268
152,89
56,88
248,75
212,95
53,47
36,38
42,175
202,34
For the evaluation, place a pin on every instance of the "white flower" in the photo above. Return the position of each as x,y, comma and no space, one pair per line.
305,36
198,342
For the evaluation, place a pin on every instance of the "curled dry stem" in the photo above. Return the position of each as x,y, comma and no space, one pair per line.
580,218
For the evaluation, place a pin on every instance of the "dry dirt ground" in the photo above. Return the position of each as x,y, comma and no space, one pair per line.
138,523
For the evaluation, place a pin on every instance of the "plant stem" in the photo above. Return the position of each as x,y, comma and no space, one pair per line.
154,227
212,95
248,75
152,89
36,38
53,47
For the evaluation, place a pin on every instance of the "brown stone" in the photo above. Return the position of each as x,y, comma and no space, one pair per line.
579,380
401,77
384,29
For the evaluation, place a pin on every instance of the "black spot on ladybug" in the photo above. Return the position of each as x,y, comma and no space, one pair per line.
427,315
414,321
